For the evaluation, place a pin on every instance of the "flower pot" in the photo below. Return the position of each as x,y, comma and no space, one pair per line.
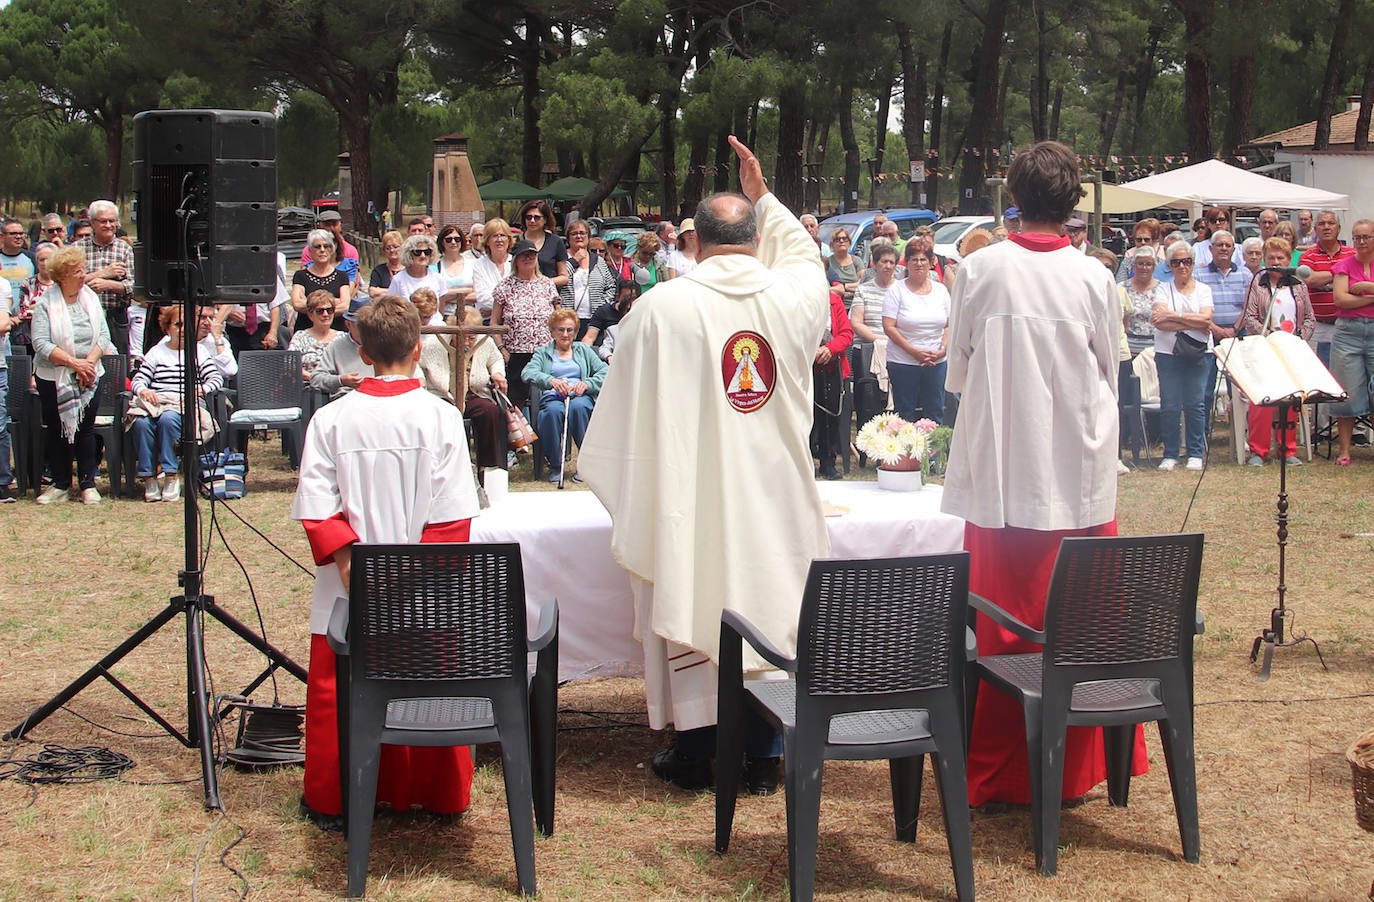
905,465
895,480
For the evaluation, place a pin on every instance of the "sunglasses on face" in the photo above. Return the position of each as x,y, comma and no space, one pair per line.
1217,219
422,252
599,251
321,247
55,230
329,310
529,216
453,239
1182,262
616,245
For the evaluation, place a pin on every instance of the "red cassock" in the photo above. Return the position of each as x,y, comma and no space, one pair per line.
435,779
1011,567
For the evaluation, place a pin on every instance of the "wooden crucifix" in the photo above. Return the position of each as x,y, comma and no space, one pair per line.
458,353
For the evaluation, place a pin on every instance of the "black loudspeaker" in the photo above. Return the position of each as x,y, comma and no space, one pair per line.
221,167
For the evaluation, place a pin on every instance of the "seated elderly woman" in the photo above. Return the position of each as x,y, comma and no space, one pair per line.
569,373
486,370
158,386
435,369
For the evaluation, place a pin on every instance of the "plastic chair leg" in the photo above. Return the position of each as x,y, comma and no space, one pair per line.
1176,735
906,775
953,774
544,747
1048,760
803,764
515,764
730,707
365,755
1119,744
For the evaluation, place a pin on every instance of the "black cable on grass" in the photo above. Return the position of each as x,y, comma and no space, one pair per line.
230,508
100,726
59,764
1283,701
252,593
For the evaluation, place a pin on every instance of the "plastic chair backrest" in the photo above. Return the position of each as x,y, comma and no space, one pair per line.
269,380
871,627
1123,600
437,612
116,376
20,368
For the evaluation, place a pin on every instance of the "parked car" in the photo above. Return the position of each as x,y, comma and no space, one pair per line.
952,229
600,225
860,226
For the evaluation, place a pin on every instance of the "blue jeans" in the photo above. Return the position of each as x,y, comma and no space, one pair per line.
166,430
550,426
1352,363
6,471
918,391
1182,387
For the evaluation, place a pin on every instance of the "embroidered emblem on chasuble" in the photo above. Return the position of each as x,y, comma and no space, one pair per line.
747,368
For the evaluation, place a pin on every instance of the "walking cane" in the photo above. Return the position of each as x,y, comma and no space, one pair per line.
563,452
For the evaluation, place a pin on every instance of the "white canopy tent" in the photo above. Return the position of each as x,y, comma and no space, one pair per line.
1120,199
1215,182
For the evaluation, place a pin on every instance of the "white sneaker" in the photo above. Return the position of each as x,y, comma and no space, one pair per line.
172,490
152,488
1194,463
1122,468
52,495
1168,463
90,496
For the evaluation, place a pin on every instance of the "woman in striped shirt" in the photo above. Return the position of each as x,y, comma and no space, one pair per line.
158,384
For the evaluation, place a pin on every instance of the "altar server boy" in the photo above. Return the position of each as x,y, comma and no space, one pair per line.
386,463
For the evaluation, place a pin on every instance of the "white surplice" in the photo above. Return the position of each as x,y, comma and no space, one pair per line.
713,508
1033,346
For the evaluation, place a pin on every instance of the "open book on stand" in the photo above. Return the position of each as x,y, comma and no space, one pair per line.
1279,367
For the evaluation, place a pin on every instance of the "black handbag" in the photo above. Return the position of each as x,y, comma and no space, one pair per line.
1187,349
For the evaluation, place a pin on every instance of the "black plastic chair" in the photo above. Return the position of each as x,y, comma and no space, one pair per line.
113,403
879,674
432,651
868,399
270,381
1118,651
26,424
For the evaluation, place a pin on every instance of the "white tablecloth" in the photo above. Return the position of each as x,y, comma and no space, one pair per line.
565,547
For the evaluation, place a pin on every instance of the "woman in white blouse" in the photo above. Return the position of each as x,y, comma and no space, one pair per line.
916,323
1183,306
494,265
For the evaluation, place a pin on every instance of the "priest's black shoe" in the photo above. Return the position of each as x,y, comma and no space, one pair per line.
761,775
691,774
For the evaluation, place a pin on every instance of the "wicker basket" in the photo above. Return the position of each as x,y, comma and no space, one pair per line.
1361,758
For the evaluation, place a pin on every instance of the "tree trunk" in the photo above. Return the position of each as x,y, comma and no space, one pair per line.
937,114
668,141
913,103
1197,76
982,127
1242,97
694,189
722,167
850,144
1040,84
357,126
1144,77
1112,116
1366,107
628,156
532,158
1054,112
787,169
113,126
1335,64
884,112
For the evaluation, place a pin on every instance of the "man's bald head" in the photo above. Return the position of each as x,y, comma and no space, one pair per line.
726,224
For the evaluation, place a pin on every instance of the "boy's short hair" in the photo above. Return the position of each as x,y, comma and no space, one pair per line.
1046,183
389,329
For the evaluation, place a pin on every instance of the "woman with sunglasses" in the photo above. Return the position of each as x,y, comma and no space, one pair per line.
495,264
418,252
591,283
454,268
312,342
323,274
1184,307
843,267
384,272
621,266
158,385
536,218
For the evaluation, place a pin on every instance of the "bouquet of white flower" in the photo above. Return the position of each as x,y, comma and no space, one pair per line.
893,442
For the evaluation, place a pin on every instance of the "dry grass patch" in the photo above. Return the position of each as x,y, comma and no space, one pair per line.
1276,812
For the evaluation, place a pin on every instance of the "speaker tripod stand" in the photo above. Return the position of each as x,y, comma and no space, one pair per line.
191,603
1274,637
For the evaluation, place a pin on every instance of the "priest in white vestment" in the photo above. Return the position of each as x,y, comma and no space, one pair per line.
699,448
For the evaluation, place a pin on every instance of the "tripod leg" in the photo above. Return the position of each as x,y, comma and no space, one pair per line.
238,628
40,714
198,705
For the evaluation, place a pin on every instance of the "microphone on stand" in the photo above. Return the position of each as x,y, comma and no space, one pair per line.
1303,272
